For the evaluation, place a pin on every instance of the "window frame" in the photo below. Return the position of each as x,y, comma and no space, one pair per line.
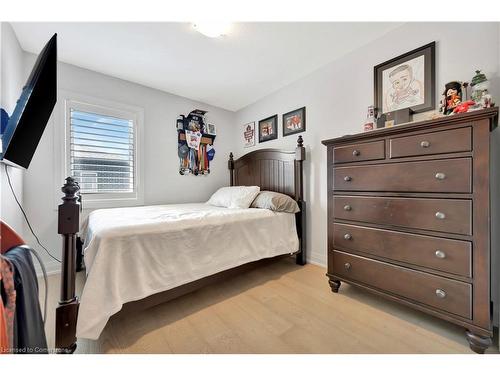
107,108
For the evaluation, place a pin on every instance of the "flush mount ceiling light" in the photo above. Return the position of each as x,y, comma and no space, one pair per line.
212,29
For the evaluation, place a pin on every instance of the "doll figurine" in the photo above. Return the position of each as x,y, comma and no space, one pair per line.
464,106
452,97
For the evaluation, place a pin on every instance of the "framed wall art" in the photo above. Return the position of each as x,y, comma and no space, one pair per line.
407,81
249,134
211,129
294,121
268,129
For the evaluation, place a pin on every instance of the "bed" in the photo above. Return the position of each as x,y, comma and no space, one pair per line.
148,255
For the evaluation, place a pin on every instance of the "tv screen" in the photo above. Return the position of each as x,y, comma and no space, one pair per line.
33,109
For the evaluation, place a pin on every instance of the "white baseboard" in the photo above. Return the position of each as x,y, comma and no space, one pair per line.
52,267
317,262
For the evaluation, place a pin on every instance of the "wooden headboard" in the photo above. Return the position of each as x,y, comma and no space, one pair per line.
271,169
275,170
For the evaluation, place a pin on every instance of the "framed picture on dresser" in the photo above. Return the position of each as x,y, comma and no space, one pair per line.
407,81
268,129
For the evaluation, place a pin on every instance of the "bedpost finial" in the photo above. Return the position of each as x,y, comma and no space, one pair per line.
70,188
300,151
230,162
300,141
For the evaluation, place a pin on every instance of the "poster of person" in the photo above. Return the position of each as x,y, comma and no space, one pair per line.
294,121
403,85
268,129
407,82
249,134
193,139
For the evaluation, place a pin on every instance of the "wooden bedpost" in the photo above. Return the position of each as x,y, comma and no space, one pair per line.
67,311
300,156
230,166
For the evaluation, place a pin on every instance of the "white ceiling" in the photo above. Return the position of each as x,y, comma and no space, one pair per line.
252,61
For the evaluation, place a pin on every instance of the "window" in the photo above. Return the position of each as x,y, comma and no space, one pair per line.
102,152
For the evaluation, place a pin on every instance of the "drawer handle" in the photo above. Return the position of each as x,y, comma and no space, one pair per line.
347,178
347,236
347,207
425,144
356,153
440,254
440,293
440,176
440,215
347,266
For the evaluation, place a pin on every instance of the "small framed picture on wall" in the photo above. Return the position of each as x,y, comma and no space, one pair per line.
211,129
268,129
249,134
294,122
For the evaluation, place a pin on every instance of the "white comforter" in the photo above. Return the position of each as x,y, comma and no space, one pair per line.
134,252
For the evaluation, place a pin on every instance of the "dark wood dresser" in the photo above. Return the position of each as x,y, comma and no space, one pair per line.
408,217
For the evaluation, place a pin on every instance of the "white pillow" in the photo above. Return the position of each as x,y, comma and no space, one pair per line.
234,196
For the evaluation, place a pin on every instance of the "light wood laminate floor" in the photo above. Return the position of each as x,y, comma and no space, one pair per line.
278,308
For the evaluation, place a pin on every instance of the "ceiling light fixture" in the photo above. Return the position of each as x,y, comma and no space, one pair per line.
212,29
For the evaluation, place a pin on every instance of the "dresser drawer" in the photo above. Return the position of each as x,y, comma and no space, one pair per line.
442,176
359,152
439,292
440,142
437,253
443,215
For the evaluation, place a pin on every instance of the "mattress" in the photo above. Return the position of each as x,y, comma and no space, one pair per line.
134,252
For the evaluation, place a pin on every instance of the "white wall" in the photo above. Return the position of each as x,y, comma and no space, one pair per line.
338,95
162,181
11,82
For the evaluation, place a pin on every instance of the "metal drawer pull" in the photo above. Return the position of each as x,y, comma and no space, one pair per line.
440,176
347,236
356,153
440,215
347,178
440,254
347,266
425,144
347,208
440,293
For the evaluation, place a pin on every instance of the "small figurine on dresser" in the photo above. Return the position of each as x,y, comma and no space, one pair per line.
480,94
464,106
452,97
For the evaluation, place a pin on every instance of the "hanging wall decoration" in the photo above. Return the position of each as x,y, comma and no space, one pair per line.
249,134
195,143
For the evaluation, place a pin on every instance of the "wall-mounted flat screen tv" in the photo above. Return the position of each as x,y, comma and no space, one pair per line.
33,109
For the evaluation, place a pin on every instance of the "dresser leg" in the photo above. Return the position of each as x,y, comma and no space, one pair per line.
335,285
478,343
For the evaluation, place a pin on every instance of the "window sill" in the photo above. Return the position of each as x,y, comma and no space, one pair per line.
110,202
94,204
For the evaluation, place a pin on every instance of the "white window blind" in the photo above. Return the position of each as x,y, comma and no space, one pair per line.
102,156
